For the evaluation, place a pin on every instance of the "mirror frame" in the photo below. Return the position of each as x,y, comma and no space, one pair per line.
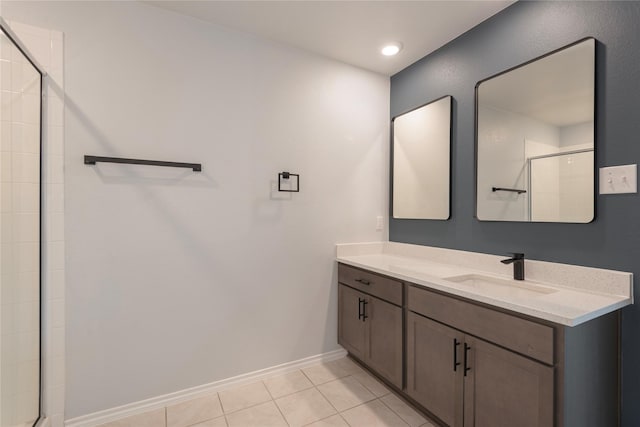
595,127
392,158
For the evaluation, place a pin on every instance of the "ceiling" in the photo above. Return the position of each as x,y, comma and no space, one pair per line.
349,31
557,89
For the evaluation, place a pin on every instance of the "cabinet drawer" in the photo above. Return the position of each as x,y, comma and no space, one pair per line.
520,335
371,283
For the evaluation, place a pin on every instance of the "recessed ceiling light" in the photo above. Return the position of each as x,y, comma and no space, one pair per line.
391,49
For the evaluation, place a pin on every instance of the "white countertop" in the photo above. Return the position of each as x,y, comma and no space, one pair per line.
580,293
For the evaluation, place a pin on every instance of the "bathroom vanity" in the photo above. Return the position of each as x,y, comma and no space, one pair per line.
451,332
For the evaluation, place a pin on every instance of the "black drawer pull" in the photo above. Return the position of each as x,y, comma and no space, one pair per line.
364,282
364,310
360,301
466,352
455,354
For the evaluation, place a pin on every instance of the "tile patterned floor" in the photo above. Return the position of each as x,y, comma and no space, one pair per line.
338,393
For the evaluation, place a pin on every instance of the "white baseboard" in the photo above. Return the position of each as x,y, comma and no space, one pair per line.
108,415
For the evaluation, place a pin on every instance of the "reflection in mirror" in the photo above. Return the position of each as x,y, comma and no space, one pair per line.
535,139
421,161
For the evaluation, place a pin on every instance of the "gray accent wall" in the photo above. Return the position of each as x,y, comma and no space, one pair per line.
519,33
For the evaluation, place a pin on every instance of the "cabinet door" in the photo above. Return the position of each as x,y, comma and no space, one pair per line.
504,389
384,340
351,327
432,379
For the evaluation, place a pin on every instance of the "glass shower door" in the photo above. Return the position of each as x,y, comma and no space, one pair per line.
561,187
20,115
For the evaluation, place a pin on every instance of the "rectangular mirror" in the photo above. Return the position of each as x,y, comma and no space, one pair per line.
421,162
535,139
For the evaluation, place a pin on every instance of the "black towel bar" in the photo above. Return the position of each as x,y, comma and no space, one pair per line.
513,190
92,160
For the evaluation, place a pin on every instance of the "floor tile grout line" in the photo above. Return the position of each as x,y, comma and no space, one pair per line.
201,421
363,386
344,419
325,398
226,421
204,421
222,409
246,407
326,418
397,414
307,376
357,406
294,392
276,404
428,420
368,389
348,409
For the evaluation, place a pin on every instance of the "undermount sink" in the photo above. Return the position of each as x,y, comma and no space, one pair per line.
500,287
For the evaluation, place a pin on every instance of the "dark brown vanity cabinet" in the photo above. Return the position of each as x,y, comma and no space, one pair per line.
434,367
466,381
504,389
470,364
370,321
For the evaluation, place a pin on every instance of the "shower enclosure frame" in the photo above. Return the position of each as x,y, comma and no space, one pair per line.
546,156
11,35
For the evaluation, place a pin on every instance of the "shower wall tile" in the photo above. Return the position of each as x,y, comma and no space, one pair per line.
5,134
48,49
16,76
5,106
31,138
24,197
55,107
5,73
56,169
57,227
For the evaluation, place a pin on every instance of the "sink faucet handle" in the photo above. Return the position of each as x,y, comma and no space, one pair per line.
517,256
518,265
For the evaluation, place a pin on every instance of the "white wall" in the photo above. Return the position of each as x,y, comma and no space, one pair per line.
577,137
174,278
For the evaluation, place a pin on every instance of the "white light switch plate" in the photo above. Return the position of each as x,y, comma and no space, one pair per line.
618,179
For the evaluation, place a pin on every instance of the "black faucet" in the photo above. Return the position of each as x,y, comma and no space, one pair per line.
518,265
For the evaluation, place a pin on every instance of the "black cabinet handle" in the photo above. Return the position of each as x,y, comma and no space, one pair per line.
364,282
364,309
455,354
466,352
360,301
